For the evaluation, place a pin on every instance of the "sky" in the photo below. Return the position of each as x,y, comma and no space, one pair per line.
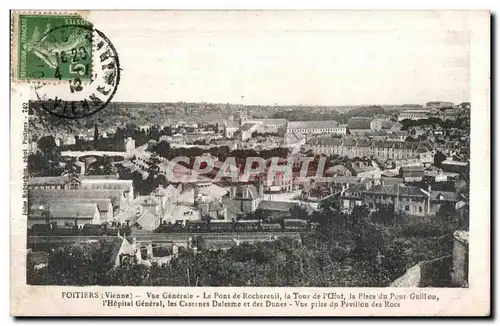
286,59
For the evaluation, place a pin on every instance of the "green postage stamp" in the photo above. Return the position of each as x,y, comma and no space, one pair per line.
53,47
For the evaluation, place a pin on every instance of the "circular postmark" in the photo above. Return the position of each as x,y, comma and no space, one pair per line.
95,76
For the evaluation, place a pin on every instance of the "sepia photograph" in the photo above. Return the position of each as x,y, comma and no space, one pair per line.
244,152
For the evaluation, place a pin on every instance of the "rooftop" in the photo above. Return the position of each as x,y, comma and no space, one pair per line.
363,142
247,126
148,221
60,180
50,197
247,192
63,210
280,206
358,124
416,111
112,194
444,195
412,169
313,124
231,124
106,184
274,122
393,190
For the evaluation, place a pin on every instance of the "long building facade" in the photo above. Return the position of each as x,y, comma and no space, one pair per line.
316,127
383,150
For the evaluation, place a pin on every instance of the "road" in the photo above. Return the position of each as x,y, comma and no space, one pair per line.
170,237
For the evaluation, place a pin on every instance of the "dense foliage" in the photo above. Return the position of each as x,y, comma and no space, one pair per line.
360,249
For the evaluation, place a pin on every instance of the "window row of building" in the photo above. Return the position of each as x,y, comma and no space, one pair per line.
381,150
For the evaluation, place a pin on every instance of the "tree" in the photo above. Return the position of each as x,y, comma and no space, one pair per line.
77,265
384,214
96,138
103,166
199,242
46,144
447,212
299,213
439,158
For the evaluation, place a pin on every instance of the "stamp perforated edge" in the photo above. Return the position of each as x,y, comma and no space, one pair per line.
14,43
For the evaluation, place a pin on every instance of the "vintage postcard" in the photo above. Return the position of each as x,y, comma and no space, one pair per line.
250,163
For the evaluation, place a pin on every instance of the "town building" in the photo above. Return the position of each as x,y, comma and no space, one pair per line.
465,105
414,114
360,147
405,199
63,213
412,173
450,165
438,198
121,192
214,210
276,209
267,125
230,129
362,170
294,140
278,181
47,197
410,200
316,127
362,125
449,114
340,170
247,129
439,105
242,200
58,182
124,187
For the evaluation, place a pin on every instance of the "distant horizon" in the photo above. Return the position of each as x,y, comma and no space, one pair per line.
281,105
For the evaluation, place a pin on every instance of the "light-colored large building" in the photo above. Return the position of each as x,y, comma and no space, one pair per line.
267,125
352,147
230,129
439,105
414,114
48,197
63,213
316,127
247,129
121,192
362,126
294,141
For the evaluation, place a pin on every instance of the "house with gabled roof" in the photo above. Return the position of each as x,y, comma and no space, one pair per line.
40,197
63,213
